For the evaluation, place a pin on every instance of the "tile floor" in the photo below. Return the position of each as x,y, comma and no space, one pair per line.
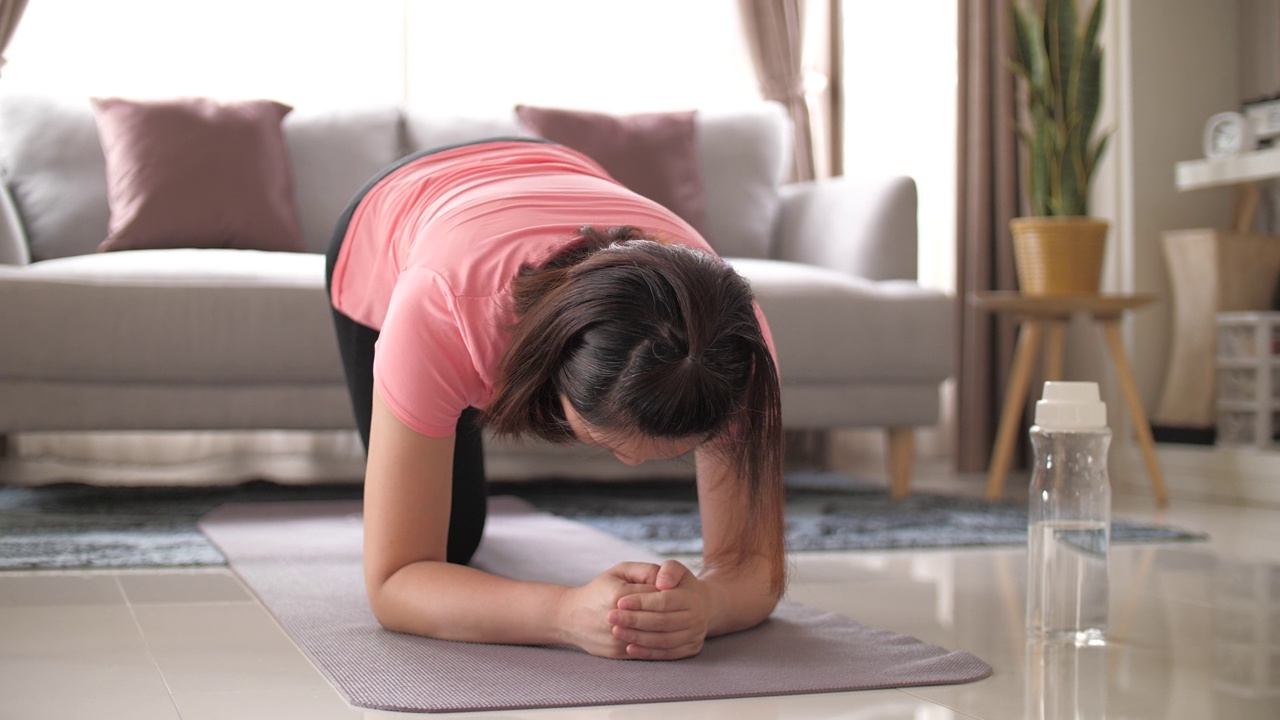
1196,635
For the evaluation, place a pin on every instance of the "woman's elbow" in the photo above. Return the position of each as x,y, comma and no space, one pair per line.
764,608
382,604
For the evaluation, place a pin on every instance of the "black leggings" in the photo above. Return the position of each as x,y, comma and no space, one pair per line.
356,344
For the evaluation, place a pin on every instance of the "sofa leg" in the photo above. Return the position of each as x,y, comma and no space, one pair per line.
902,449
5,446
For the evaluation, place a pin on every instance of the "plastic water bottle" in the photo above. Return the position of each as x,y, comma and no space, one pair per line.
1069,517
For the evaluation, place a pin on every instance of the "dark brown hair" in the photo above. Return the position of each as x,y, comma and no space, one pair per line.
652,338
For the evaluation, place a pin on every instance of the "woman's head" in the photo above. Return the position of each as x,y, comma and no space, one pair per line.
631,448
636,337
648,349
663,341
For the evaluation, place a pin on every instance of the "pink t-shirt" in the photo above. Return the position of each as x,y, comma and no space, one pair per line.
431,249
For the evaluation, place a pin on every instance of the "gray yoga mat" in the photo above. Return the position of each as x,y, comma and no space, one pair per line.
303,560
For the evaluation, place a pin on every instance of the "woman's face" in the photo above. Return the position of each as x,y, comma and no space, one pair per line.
630,449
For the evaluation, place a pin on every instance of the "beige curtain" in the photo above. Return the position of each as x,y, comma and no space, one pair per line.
10,14
775,32
987,197
835,86
823,54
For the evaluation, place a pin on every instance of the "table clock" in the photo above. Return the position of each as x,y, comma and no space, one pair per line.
1227,134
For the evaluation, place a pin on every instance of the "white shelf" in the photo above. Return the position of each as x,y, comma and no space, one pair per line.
1245,167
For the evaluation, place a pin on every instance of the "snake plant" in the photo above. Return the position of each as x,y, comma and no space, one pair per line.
1060,64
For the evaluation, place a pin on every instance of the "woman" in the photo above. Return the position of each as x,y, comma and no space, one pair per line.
513,284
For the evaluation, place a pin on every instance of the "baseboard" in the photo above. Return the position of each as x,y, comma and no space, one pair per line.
1245,475
1184,435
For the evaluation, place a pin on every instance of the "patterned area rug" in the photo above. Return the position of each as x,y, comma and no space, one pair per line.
824,512
79,526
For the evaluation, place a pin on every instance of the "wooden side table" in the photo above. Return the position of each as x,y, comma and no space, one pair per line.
1038,315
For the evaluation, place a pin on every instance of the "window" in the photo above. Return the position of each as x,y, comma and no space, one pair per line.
585,54
900,69
473,56
288,50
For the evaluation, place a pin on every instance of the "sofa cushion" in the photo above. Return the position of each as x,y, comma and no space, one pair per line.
55,169
205,316
829,327
197,173
334,153
653,154
744,154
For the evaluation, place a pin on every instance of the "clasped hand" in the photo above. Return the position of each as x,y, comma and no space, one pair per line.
643,611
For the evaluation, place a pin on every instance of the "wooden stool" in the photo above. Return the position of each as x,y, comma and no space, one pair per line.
1038,314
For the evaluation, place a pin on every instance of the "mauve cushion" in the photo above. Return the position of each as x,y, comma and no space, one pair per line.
197,173
654,154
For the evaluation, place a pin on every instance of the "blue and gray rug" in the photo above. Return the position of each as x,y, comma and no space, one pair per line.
79,526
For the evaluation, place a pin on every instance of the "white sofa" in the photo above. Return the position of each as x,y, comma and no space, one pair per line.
193,339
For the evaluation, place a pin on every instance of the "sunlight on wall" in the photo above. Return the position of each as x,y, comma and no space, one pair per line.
900,112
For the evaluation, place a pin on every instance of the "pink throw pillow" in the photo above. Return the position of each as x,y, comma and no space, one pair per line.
197,173
653,154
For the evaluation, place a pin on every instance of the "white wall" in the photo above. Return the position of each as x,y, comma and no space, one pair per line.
1171,64
1183,66
1259,48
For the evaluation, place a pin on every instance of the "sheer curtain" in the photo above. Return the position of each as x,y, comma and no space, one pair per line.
10,14
775,34
278,49
620,57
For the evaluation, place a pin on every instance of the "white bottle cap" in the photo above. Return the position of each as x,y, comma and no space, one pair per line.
1071,406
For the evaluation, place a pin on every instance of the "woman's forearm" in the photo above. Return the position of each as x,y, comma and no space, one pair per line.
456,602
739,599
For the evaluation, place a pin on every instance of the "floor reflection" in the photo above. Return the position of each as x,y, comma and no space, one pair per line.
1246,640
1065,682
1192,634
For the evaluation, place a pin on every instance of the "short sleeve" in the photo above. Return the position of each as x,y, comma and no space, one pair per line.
422,366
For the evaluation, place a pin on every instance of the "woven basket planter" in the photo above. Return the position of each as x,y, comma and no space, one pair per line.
1059,255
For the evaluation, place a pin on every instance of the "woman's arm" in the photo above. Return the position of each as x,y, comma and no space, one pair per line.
412,588
727,596
743,595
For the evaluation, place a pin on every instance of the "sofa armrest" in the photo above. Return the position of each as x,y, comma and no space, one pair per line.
13,237
864,227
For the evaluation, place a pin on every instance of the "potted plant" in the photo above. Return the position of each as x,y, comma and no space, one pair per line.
1059,249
